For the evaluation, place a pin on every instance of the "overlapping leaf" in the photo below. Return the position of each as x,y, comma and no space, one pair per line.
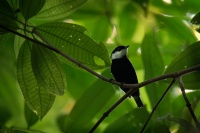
58,9
35,94
6,15
189,57
30,116
72,40
29,8
48,70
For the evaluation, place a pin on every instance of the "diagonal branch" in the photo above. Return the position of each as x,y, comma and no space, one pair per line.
154,109
188,104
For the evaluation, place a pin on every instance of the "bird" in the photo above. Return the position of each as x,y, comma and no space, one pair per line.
124,72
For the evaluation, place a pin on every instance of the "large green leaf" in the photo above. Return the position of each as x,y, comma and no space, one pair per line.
130,122
72,40
153,66
58,9
29,8
30,116
3,39
187,58
88,106
35,94
48,70
7,15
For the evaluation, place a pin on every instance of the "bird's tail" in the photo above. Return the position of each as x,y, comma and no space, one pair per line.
138,101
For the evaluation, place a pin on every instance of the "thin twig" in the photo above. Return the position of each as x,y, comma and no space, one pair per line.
154,109
188,104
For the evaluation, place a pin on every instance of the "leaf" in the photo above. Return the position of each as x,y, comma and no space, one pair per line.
185,124
71,39
31,117
11,130
153,66
29,8
131,121
7,15
35,95
58,9
14,4
48,70
143,4
160,126
88,106
3,39
196,19
187,58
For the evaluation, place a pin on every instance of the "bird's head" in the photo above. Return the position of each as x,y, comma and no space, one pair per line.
119,52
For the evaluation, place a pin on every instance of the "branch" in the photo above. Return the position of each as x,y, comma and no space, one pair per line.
154,109
133,87
188,104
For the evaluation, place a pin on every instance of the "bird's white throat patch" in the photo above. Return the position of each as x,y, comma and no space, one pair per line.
119,54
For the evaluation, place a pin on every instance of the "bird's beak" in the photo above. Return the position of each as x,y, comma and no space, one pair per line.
127,46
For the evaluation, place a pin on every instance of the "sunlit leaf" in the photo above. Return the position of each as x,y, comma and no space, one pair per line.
153,66
58,9
29,8
36,96
48,70
187,58
72,40
31,117
130,122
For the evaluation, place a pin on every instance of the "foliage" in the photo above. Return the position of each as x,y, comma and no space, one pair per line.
66,98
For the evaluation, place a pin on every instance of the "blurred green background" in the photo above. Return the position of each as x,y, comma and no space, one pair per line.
158,32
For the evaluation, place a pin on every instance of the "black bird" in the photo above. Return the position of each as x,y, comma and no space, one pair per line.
124,72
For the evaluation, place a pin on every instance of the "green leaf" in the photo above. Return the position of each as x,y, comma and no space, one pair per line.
188,127
11,130
3,39
58,9
36,96
187,58
153,66
14,4
160,126
31,117
48,70
131,121
88,106
196,19
72,40
29,8
7,15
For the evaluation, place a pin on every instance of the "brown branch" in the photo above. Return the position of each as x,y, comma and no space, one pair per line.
154,109
133,87
188,104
